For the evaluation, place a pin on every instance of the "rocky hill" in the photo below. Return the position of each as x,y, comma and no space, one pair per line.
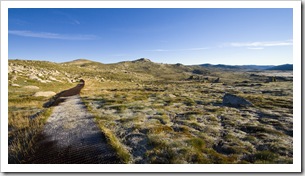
140,70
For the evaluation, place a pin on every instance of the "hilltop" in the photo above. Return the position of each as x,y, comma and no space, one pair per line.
80,62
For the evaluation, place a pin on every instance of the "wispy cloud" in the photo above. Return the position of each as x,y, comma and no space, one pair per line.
258,45
18,21
71,19
186,49
255,48
76,21
48,35
196,49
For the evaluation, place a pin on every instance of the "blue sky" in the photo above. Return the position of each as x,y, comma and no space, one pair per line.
188,36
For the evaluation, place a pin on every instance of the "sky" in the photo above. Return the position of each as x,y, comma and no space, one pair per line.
241,36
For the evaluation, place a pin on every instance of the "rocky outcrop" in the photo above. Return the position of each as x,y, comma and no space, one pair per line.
142,60
42,75
235,101
44,94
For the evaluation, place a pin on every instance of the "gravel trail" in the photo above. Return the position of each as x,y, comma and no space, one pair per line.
71,136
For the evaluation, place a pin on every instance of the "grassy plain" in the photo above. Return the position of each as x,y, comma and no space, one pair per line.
161,113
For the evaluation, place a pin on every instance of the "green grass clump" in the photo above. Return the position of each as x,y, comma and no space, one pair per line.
265,157
23,133
189,102
120,149
120,108
259,129
197,143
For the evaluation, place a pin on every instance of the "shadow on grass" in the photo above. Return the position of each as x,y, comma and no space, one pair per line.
89,150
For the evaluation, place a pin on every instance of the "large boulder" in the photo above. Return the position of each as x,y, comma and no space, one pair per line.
44,94
235,101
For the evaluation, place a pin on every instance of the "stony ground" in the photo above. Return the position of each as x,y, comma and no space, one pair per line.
71,136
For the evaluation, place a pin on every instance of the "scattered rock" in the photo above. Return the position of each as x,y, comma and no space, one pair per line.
171,95
216,80
31,87
10,69
14,78
34,77
44,81
15,85
44,94
235,101
52,78
69,80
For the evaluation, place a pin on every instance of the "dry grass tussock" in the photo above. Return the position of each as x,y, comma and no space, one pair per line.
186,123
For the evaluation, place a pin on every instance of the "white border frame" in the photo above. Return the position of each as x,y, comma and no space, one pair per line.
295,167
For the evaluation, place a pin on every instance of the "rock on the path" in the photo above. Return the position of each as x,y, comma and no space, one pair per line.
235,101
31,87
44,94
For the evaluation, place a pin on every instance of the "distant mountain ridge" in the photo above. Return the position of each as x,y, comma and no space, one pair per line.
282,67
250,67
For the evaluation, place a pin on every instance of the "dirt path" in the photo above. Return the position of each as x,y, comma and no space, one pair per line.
71,136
